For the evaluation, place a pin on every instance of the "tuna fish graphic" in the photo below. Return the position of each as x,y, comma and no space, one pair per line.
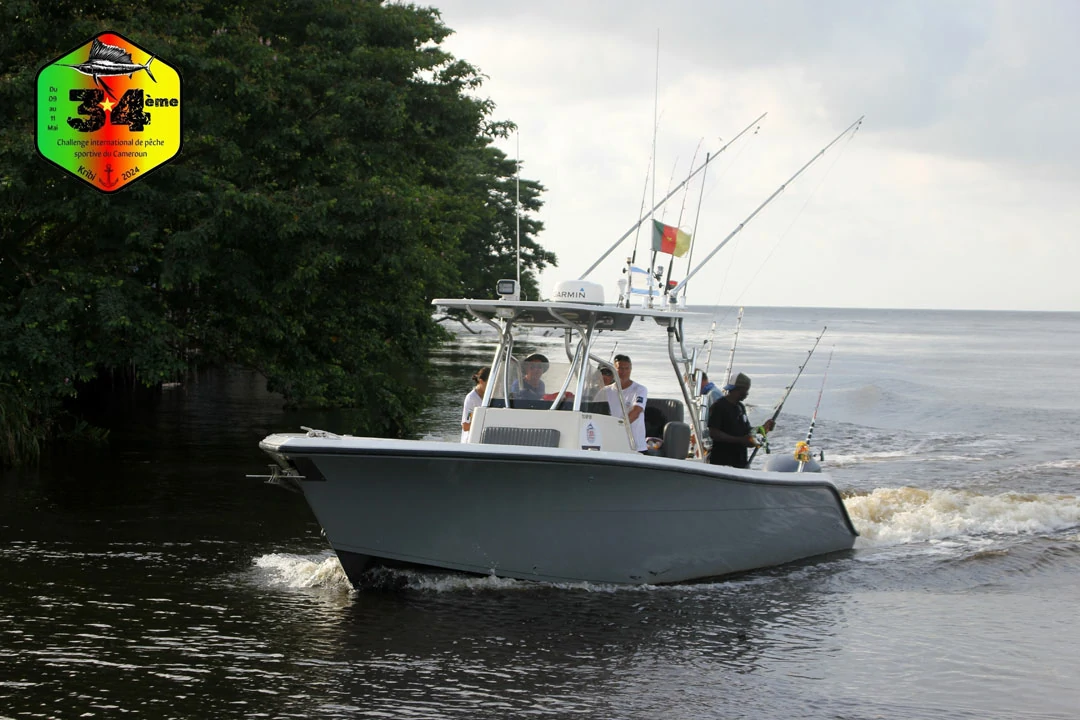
109,60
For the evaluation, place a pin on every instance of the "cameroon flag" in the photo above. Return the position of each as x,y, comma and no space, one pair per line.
670,240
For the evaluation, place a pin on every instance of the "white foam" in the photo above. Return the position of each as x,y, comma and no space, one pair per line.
1059,465
840,460
891,516
297,571
437,581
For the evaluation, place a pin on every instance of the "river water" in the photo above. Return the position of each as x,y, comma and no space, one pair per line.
153,579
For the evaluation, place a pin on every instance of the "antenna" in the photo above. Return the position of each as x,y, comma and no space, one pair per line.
517,205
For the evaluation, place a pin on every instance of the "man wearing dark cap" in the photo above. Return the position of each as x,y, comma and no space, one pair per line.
729,427
531,387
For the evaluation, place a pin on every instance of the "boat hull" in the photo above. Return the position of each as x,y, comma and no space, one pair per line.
562,516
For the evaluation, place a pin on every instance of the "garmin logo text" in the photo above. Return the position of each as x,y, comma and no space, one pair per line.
578,291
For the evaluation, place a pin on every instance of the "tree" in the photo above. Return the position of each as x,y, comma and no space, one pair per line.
337,174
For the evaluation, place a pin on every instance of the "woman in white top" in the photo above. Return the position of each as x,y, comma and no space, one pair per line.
472,400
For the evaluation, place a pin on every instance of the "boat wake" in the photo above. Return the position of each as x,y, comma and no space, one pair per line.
897,516
323,571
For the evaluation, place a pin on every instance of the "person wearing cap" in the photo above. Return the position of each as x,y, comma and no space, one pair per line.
531,386
633,396
729,426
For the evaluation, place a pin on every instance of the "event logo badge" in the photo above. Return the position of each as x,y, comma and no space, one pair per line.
108,112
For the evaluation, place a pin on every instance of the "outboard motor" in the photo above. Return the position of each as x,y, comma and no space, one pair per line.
789,463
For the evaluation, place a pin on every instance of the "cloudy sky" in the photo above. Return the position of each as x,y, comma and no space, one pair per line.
960,190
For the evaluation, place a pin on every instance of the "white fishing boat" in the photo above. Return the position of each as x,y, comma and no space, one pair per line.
554,489
551,486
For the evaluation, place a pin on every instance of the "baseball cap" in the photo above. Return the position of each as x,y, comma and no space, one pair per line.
741,381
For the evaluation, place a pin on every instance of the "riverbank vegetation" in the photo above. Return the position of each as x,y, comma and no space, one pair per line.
338,171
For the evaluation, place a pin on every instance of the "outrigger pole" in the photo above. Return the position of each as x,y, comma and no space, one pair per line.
676,189
675,290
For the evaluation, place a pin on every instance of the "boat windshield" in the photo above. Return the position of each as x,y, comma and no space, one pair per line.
535,385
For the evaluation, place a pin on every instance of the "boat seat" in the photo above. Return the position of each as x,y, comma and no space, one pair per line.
531,437
659,412
676,440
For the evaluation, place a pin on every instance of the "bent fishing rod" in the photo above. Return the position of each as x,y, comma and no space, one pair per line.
676,189
813,418
675,290
787,392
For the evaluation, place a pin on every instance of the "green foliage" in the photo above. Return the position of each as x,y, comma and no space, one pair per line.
21,432
337,174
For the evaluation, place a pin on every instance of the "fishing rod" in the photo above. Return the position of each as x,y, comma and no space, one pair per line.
709,342
803,453
731,355
761,207
678,187
780,405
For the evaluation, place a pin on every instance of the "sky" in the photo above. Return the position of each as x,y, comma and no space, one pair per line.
960,190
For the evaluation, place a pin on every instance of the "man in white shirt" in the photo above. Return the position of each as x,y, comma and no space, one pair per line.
633,396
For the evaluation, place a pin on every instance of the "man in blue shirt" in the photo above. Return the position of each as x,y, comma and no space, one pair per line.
531,386
709,394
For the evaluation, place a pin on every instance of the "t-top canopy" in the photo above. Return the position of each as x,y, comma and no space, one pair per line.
559,314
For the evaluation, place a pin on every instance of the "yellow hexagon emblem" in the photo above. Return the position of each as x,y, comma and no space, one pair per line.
108,112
